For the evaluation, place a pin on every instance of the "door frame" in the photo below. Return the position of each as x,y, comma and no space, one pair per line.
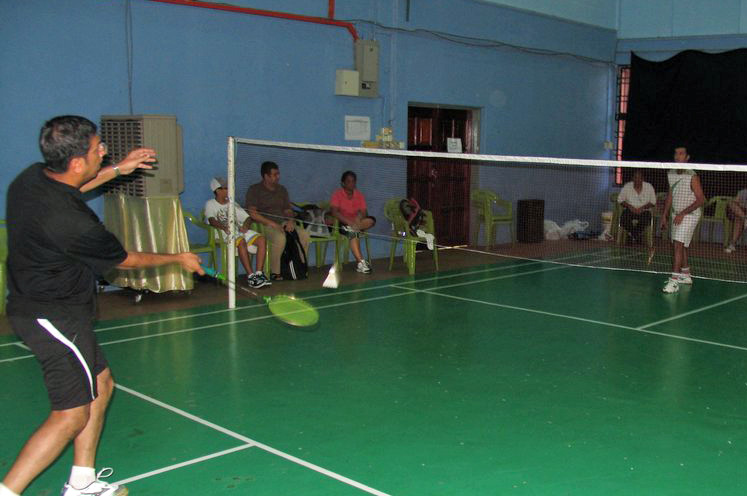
476,122
474,181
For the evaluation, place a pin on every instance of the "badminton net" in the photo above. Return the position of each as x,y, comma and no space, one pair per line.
493,207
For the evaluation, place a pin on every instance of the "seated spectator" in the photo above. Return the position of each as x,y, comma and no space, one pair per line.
638,198
247,241
349,207
269,204
736,213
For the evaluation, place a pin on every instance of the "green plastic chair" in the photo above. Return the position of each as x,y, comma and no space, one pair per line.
222,247
320,243
719,204
485,202
401,232
207,247
3,258
621,234
656,214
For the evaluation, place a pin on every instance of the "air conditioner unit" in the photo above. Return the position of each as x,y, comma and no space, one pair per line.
123,133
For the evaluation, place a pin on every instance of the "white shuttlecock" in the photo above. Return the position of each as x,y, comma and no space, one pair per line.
333,278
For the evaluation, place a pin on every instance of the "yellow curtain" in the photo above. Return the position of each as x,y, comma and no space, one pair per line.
154,225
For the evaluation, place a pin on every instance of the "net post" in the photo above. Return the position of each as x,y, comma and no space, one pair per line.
231,256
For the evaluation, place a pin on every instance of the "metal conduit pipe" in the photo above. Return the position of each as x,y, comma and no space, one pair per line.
269,13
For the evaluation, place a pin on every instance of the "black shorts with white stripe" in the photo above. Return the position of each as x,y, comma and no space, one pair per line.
69,355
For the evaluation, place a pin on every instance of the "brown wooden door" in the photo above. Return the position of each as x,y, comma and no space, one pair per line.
441,185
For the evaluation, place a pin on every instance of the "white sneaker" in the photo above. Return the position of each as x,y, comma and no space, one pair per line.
730,249
685,279
428,238
97,487
363,267
672,286
257,280
262,278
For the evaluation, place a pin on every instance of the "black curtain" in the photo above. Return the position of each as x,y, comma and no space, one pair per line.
694,98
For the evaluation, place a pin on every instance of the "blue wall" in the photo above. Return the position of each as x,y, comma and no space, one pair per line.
681,18
229,74
595,12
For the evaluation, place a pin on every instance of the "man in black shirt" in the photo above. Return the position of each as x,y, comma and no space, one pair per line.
57,249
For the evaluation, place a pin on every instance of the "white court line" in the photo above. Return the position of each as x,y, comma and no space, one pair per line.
323,295
22,357
522,309
328,294
262,317
221,324
507,276
183,464
434,291
697,310
252,442
333,305
496,278
591,321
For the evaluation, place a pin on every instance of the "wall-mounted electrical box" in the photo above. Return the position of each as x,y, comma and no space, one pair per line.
347,82
367,65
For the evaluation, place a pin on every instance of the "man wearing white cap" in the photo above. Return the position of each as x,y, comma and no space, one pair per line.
247,241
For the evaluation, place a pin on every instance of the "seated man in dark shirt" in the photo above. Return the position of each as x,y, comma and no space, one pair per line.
57,249
268,203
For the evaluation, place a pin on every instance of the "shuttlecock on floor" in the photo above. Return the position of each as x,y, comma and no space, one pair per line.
333,278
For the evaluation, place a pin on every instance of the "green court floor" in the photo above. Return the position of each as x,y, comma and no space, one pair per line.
522,378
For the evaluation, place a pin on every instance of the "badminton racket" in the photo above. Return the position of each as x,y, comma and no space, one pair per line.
651,253
289,309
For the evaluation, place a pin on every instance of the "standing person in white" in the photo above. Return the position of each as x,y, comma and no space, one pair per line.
685,198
